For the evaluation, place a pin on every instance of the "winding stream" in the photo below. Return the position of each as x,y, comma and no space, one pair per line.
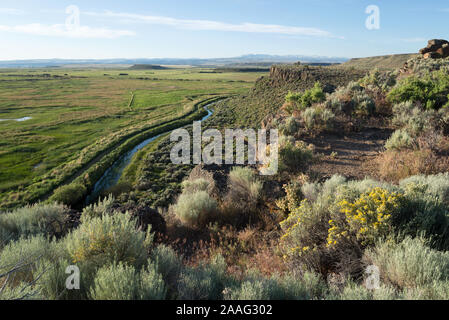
113,174
17,120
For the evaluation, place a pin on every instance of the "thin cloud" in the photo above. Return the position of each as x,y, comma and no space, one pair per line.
59,30
11,11
207,25
412,40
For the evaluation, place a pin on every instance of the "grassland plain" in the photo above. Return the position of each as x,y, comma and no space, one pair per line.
78,116
155,181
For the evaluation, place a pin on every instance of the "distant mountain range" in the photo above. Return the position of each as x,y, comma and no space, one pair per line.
252,59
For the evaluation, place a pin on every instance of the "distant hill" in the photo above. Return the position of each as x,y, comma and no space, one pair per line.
394,61
147,67
246,60
242,69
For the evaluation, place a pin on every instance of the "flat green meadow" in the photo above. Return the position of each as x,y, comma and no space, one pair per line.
78,114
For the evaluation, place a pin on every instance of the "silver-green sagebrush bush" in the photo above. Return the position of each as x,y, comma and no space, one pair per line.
196,209
197,185
169,265
435,185
240,204
205,282
23,258
308,286
39,219
399,140
124,282
99,209
294,157
411,117
109,239
290,127
245,182
354,291
318,119
409,263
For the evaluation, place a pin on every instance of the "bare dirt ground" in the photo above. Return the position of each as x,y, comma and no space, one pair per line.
351,155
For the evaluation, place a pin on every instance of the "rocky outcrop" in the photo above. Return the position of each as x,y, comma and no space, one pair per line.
299,78
143,215
436,49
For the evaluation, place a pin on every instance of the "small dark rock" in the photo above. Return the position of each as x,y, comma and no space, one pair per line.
145,216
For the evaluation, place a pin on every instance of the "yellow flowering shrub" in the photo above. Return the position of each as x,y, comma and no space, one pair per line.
329,221
367,219
292,198
302,229
109,239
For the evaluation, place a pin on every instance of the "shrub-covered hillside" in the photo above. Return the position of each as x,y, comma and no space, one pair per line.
358,210
269,92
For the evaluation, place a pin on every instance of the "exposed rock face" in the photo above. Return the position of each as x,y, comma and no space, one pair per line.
436,49
329,78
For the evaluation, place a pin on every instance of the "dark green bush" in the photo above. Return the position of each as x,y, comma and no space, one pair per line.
70,195
308,98
431,90
118,189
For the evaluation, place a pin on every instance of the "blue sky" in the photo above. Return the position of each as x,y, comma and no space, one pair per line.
32,29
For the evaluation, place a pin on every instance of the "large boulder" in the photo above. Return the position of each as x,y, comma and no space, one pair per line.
436,48
444,50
